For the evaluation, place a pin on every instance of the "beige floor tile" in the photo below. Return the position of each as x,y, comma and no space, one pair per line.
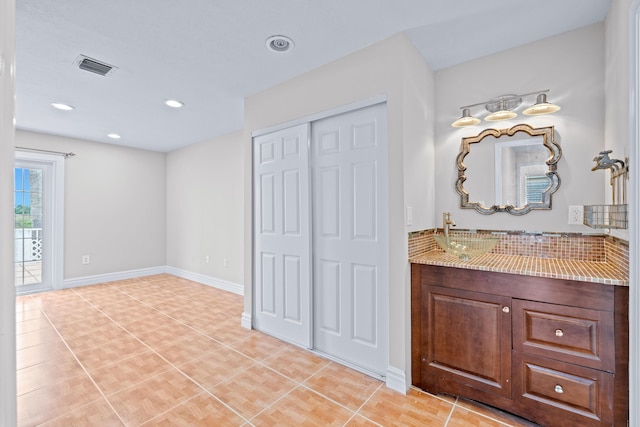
296,363
188,348
47,373
493,413
259,346
95,337
36,324
216,367
358,421
388,407
164,333
344,385
128,372
464,418
97,414
49,402
303,407
142,402
33,338
251,391
201,411
111,352
50,351
21,316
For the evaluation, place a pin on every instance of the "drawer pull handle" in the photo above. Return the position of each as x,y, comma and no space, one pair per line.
505,309
559,332
558,389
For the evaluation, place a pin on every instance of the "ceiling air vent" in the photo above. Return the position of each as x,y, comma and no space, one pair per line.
94,66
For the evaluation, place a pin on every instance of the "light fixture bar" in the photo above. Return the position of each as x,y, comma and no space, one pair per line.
502,108
517,96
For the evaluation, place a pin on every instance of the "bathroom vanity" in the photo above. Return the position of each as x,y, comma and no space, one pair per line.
551,350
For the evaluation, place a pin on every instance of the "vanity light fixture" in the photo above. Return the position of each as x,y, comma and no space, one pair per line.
541,106
503,108
465,120
63,107
114,136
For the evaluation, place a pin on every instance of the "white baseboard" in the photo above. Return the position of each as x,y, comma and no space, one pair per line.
397,380
246,320
111,277
206,280
196,277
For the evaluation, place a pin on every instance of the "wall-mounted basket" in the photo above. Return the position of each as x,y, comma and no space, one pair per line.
615,215
606,216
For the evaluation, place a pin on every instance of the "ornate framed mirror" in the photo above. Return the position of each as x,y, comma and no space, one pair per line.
510,170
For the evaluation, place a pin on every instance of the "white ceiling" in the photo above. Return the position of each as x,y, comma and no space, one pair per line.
211,54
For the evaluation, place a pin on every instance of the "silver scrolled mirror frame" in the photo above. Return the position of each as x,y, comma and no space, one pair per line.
547,134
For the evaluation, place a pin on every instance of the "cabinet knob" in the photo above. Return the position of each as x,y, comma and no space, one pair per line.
505,309
559,332
558,389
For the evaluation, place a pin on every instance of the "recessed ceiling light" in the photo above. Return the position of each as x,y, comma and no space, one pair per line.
280,44
114,136
64,107
174,103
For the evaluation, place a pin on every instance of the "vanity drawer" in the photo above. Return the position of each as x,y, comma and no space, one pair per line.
575,335
584,395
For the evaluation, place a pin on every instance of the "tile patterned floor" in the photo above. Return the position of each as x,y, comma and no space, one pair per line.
165,351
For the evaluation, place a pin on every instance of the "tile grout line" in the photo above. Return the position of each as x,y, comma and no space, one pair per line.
204,389
83,368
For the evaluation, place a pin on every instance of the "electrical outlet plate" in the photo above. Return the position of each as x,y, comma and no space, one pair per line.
576,214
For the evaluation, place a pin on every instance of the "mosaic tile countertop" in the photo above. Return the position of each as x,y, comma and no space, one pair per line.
585,271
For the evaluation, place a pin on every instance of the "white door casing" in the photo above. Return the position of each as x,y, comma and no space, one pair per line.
350,242
281,235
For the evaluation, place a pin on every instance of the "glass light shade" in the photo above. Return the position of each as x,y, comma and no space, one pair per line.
64,107
465,120
173,103
501,115
541,106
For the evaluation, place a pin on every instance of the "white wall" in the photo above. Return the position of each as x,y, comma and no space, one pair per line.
115,205
571,66
395,69
205,208
7,286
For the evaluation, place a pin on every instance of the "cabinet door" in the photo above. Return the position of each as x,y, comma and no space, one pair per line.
468,340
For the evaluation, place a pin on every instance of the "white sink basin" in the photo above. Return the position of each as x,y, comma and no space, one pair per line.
465,247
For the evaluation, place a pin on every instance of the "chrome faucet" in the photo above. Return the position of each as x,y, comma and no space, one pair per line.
447,222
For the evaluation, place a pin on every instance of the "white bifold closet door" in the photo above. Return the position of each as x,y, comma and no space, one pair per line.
282,235
321,275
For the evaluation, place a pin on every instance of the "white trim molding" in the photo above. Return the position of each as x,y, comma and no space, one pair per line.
246,321
634,217
397,380
131,274
112,277
206,280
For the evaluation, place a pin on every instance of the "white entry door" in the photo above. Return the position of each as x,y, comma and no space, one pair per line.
38,222
282,265
350,289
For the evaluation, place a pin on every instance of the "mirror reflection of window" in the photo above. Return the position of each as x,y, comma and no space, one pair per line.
518,158
535,187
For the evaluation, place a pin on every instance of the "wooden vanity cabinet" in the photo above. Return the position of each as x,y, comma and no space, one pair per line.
552,351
